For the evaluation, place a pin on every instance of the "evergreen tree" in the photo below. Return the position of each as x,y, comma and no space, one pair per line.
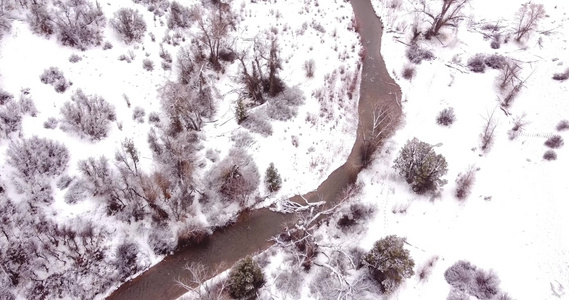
273,179
240,111
421,166
389,262
245,278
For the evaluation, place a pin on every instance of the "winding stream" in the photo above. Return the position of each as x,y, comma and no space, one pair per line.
252,230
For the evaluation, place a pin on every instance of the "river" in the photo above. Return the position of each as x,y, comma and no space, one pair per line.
251,232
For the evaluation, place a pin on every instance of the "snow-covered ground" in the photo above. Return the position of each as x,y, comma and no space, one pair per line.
303,149
514,221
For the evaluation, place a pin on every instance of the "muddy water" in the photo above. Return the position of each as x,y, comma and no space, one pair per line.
251,232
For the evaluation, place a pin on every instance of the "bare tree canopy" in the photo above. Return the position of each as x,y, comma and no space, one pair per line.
448,16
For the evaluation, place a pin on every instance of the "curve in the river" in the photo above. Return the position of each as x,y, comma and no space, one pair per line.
251,232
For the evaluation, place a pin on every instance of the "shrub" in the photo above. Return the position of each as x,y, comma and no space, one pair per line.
40,20
154,117
74,58
148,64
416,54
80,23
467,278
561,76
10,118
87,115
495,61
129,24
245,278
389,263
272,179
107,46
126,260
284,106
426,269
562,125
242,139
37,156
408,72
550,155
50,123
421,166
138,114
52,75
477,63
554,142
464,183
257,122
446,117
309,68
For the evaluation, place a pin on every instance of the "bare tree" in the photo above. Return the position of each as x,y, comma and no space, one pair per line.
200,283
449,15
381,123
214,27
527,18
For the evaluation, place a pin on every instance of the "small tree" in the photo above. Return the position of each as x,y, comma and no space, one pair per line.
389,262
129,24
240,111
273,179
421,166
448,16
245,278
87,115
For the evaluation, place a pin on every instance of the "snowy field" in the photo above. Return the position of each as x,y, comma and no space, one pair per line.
513,222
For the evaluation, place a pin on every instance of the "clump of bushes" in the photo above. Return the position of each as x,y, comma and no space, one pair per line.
467,278
477,63
79,23
495,61
389,263
561,76
446,117
416,54
37,156
421,167
554,142
87,115
54,76
245,278
257,122
283,107
129,24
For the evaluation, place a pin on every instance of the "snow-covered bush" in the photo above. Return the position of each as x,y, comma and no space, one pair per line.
408,72
425,270
138,114
446,117
74,58
186,106
421,167
495,61
37,156
561,76
10,118
273,179
161,240
50,123
235,177
5,97
180,16
87,115
257,122
466,277
242,139
464,183
147,64
79,23
562,125
126,260
476,63
416,54
284,106
389,263
107,45
154,117
309,68
41,19
354,214
52,75
5,23
245,278
554,142
129,24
